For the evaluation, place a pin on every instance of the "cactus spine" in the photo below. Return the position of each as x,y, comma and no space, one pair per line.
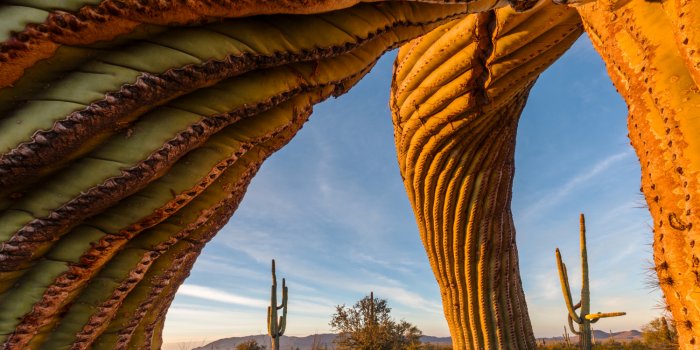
275,326
584,319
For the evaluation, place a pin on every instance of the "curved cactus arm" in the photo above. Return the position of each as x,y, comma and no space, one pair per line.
571,325
565,288
457,94
126,200
639,42
596,316
283,319
132,326
83,106
36,31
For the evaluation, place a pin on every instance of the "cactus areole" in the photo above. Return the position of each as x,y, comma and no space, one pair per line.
130,130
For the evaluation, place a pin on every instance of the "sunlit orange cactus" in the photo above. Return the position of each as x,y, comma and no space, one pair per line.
120,160
456,99
129,131
649,52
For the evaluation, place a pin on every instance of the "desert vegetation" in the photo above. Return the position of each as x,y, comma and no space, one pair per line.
367,325
130,130
658,334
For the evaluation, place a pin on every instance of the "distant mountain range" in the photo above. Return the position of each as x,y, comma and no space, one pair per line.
301,343
306,343
599,335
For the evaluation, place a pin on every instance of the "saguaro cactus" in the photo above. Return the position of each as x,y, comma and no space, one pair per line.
275,326
130,129
455,127
584,319
651,52
138,150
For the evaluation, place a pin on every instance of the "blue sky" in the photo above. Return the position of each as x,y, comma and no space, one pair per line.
331,209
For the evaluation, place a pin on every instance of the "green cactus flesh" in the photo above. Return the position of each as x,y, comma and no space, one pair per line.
110,91
91,254
140,147
131,129
217,153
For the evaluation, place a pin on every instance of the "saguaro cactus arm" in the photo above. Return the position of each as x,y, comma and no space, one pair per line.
584,319
276,326
130,130
573,329
565,288
596,316
457,94
142,151
651,51
39,30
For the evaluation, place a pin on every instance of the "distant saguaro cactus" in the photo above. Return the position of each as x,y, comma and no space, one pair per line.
275,326
584,319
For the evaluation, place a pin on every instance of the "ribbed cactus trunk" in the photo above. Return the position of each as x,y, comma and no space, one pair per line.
468,232
119,161
651,52
456,99
130,129
276,326
585,340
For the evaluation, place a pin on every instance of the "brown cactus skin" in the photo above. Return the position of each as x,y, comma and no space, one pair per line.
223,50
24,245
101,265
649,61
184,226
133,323
70,284
456,99
457,96
83,25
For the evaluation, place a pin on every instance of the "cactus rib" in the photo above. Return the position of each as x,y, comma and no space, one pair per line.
137,80
639,41
110,19
112,302
290,80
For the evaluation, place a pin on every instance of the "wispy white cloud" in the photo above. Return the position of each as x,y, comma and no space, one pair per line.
208,293
403,266
545,286
407,298
210,263
555,196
